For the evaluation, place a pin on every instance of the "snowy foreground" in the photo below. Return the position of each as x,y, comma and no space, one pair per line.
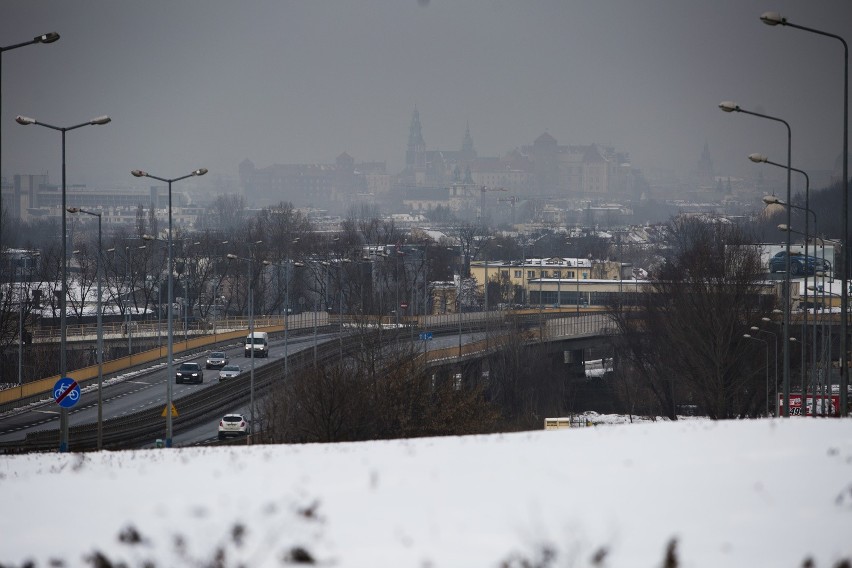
747,493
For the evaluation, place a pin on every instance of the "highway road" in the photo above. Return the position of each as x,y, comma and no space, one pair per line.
139,389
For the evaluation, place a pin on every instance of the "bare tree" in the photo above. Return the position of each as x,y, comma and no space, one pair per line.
468,236
686,343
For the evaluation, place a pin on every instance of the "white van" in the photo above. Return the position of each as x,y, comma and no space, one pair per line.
259,340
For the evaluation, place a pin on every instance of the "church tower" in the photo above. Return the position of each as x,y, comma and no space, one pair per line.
415,156
705,165
467,152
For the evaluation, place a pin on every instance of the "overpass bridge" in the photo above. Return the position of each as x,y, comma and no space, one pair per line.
482,335
577,328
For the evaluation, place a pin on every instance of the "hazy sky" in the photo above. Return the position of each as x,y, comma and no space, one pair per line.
207,83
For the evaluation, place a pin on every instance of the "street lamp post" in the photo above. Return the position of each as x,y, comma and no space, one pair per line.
577,283
728,106
43,38
775,19
775,365
250,304
286,307
769,199
26,121
100,328
21,319
170,298
785,228
186,302
765,343
823,242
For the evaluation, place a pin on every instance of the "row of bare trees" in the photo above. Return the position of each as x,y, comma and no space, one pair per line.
684,344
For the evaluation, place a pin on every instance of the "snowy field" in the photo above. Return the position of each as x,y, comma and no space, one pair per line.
737,493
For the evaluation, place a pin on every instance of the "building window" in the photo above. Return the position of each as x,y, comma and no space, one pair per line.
544,273
530,273
557,274
517,274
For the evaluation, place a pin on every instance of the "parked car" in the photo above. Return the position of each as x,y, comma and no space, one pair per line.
189,372
799,264
233,425
229,372
217,360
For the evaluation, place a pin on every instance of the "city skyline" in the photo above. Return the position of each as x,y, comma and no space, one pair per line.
209,84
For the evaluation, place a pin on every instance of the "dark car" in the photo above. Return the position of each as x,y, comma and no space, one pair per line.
799,264
217,360
189,373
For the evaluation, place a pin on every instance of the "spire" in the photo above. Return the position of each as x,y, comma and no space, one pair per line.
415,155
467,143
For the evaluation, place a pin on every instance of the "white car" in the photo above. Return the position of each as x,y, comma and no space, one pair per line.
229,372
233,425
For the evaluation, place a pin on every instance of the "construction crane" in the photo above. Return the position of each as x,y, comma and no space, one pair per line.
482,190
511,199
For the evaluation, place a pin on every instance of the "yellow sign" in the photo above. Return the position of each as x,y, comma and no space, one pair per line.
174,411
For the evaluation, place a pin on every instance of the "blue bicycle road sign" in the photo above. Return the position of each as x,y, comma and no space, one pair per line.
66,392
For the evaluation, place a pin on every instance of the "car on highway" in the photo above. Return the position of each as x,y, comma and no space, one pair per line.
799,264
229,372
189,372
217,360
233,425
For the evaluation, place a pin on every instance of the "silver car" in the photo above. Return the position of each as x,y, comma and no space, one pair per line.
217,360
229,372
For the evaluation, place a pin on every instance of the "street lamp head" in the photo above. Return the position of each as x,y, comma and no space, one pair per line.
149,238
230,256
100,120
773,19
139,173
73,209
783,227
755,328
747,336
49,37
25,120
758,158
729,106
771,200
200,172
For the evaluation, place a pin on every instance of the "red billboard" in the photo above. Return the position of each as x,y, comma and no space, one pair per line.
826,405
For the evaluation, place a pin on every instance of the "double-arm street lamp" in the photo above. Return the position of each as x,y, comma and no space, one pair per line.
728,106
776,19
26,121
100,326
170,338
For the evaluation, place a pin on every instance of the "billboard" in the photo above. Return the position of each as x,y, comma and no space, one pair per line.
767,251
830,403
